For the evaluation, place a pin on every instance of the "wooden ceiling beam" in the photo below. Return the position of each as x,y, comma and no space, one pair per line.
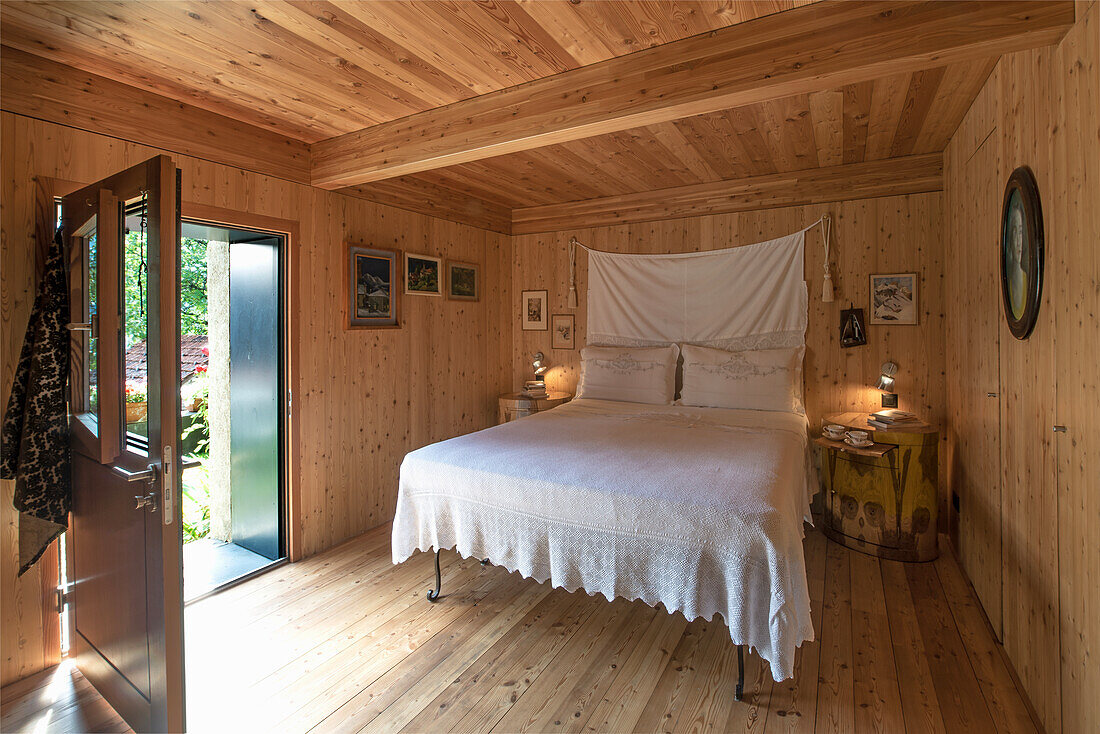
433,200
890,177
49,91
821,46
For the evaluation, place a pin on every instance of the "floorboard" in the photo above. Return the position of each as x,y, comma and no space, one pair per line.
346,642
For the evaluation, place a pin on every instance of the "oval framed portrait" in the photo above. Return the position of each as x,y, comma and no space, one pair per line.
1021,252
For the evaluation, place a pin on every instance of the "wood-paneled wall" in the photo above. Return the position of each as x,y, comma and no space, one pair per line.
363,398
1030,497
881,235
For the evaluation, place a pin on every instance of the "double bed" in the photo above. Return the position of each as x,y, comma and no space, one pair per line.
700,510
635,489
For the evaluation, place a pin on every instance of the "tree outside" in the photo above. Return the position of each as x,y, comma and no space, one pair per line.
193,320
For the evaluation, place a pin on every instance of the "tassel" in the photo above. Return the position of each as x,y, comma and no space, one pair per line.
572,272
827,288
827,283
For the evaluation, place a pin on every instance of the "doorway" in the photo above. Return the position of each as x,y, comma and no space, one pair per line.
231,388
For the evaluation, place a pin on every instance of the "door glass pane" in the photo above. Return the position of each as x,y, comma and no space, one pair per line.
135,277
92,396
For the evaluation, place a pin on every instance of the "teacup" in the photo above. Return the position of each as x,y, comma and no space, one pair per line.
833,431
858,436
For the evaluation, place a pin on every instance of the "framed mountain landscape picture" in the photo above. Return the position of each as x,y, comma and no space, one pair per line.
894,298
372,300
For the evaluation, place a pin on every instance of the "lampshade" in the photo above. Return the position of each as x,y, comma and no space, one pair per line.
539,363
886,378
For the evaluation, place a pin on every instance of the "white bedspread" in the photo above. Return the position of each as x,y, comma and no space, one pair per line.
698,509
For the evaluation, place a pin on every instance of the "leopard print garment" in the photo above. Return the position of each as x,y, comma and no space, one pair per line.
35,434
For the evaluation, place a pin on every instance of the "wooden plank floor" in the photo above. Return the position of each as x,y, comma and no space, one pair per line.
346,642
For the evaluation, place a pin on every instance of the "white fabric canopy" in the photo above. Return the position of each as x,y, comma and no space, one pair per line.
749,297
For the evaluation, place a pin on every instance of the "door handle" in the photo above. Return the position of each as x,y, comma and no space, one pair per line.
145,475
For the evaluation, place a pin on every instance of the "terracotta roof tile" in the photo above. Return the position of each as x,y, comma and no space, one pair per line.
191,357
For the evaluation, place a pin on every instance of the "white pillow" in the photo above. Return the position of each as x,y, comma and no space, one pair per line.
629,374
762,379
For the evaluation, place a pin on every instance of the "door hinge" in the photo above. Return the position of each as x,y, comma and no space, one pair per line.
61,596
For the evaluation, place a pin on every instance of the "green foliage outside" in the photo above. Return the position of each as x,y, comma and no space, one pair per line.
196,481
193,320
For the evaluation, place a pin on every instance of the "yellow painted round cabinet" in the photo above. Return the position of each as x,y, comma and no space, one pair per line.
882,499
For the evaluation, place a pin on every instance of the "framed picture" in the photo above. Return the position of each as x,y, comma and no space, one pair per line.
462,281
563,327
1021,252
422,275
894,298
371,299
533,311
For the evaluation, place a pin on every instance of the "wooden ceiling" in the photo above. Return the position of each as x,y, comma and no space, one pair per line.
315,69
334,92
891,117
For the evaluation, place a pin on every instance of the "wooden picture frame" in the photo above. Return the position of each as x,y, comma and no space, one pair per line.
1022,250
423,275
532,311
563,329
894,299
371,300
463,281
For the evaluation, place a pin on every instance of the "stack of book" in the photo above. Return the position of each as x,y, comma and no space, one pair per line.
534,389
892,418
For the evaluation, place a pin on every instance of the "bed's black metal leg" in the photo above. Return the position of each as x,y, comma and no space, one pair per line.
434,595
740,690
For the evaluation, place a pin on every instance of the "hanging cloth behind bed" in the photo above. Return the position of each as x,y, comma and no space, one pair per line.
748,297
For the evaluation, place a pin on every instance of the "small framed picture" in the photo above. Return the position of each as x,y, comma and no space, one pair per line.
462,281
371,300
422,275
894,298
533,311
1022,252
562,327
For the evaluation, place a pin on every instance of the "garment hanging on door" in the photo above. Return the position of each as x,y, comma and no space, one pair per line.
35,446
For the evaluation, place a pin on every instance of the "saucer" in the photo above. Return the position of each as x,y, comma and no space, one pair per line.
860,445
831,437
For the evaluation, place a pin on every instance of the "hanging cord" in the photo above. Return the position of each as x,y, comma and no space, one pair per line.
573,271
143,267
827,283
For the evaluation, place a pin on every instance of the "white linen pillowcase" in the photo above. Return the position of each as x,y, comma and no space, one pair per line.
760,379
629,374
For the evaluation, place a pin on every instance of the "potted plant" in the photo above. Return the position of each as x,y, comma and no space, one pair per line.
198,389
137,402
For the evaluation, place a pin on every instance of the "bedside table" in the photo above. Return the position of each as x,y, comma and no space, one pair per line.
882,499
515,405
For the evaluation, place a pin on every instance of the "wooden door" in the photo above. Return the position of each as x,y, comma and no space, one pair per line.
124,540
975,297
